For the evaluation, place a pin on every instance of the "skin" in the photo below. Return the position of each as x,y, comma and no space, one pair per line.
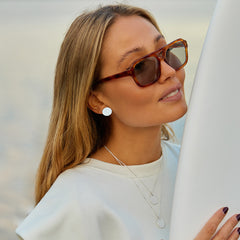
137,112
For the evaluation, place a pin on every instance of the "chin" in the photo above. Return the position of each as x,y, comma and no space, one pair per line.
177,114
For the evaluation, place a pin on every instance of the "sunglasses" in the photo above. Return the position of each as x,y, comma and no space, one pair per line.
147,70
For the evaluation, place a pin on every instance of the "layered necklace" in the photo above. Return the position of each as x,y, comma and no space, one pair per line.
152,200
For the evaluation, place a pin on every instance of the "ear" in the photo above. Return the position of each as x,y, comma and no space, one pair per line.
95,104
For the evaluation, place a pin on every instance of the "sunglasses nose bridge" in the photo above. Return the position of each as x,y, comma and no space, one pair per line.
161,55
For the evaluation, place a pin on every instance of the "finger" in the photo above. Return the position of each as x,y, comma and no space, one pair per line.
211,226
227,228
235,234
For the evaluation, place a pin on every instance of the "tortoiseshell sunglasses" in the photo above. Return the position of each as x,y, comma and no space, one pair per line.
147,70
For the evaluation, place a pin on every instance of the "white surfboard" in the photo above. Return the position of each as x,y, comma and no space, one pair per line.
209,166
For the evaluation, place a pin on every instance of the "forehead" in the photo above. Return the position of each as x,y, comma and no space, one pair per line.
126,33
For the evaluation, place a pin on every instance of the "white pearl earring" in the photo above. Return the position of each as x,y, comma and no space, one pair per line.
107,111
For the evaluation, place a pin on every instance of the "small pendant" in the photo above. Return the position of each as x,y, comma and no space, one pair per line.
154,200
160,223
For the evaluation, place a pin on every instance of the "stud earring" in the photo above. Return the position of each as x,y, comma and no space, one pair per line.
107,111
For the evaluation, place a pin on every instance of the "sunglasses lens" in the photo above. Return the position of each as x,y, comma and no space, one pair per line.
176,55
147,71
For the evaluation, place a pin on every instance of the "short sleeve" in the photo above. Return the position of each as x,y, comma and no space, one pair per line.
59,215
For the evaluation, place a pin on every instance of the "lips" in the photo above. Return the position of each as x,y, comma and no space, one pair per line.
173,93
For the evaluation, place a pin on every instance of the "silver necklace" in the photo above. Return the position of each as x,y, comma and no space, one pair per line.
153,198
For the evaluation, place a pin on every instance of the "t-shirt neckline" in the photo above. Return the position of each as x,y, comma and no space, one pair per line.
141,170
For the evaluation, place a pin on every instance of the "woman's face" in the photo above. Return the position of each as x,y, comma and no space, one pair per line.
127,40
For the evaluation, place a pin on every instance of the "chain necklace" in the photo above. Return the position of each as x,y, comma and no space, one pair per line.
153,198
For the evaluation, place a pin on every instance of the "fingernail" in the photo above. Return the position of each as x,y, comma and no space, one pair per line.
238,217
225,210
238,231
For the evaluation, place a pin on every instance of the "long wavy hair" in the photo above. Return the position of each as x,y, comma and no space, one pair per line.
74,130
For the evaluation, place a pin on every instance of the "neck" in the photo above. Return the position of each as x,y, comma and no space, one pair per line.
134,146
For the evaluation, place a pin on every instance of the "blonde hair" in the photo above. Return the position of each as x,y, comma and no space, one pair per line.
74,130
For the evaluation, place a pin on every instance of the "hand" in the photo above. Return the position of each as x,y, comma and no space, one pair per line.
226,232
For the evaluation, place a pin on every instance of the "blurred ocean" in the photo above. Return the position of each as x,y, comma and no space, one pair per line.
30,38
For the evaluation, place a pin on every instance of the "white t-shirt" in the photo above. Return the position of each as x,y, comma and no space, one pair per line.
104,201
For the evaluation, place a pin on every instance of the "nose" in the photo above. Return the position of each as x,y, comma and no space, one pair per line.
167,72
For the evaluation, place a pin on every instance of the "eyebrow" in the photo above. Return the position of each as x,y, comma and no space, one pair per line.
138,49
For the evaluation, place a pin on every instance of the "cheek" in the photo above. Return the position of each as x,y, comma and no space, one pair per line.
181,76
128,101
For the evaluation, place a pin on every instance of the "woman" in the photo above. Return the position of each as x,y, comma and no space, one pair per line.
108,171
